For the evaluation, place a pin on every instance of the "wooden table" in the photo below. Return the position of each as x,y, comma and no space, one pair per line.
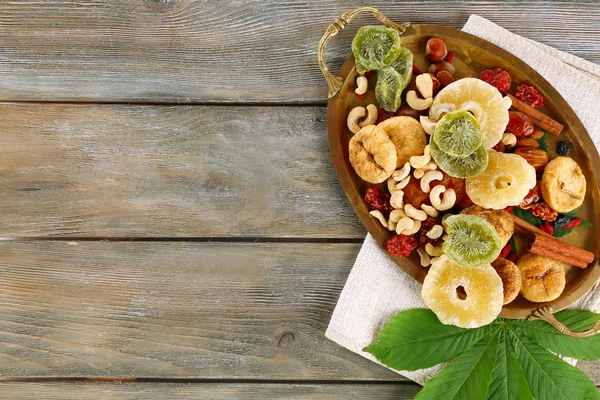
174,224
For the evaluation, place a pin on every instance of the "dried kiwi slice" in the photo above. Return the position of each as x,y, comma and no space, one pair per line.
472,241
403,65
389,89
460,167
375,47
458,134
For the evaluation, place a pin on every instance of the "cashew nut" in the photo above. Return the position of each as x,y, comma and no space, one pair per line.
402,173
433,250
396,199
395,216
509,140
439,203
431,165
362,83
412,212
435,232
432,212
434,259
427,124
391,185
377,214
445,237
428,178
444,218
440,109
425,85
423,258
421,161
416,103
402,184
419,172
416,227
354,116
405,223
371,116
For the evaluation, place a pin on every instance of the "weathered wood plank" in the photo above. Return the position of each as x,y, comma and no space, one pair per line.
243,51
169,391
116,170
199,310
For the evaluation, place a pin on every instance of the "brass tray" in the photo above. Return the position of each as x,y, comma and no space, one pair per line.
472,55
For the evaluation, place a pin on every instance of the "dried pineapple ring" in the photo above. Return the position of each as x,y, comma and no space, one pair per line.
486,103
505,181
482,285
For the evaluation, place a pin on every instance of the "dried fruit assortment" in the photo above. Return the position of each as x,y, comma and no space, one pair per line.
450,159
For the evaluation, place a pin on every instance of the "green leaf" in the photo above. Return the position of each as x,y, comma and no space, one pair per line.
585,223
548,376
508,380
560,231
549,337
572,213
466,377
416,339
527,216
542,141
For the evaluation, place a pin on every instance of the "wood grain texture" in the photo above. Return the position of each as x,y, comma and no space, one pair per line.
116,170
167,310
207,391
241,51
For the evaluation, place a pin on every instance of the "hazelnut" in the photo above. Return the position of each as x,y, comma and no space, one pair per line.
435,50
436,82
441,66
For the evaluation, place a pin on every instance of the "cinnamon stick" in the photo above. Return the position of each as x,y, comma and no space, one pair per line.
560,251
537,117
525,227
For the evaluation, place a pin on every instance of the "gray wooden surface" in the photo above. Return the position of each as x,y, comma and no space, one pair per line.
185,317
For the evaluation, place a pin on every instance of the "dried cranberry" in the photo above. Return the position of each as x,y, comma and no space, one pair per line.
512,257
519,124
506,250
368,74
361,96
573,223
401,245
498,78
509,209
416,70
377,199
450,57
547,227
528,94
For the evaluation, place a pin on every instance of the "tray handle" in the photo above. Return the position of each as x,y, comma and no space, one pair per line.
545,314
335,83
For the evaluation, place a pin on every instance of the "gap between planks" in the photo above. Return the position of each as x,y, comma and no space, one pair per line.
224,239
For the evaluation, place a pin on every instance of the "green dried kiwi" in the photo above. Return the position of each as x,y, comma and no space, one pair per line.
472,241
458,134
375,47
460,167
388,89
403,65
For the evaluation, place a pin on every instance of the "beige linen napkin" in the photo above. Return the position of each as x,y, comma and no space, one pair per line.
376,288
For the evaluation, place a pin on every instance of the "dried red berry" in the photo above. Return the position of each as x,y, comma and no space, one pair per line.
547,227
498,78
509,209
519,124
506,250
377,199
528,94
416,70
361,96
368,74
401,245
573,223
450,57
543,211
512,257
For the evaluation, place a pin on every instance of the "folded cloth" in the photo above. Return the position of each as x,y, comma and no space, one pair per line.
377,288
